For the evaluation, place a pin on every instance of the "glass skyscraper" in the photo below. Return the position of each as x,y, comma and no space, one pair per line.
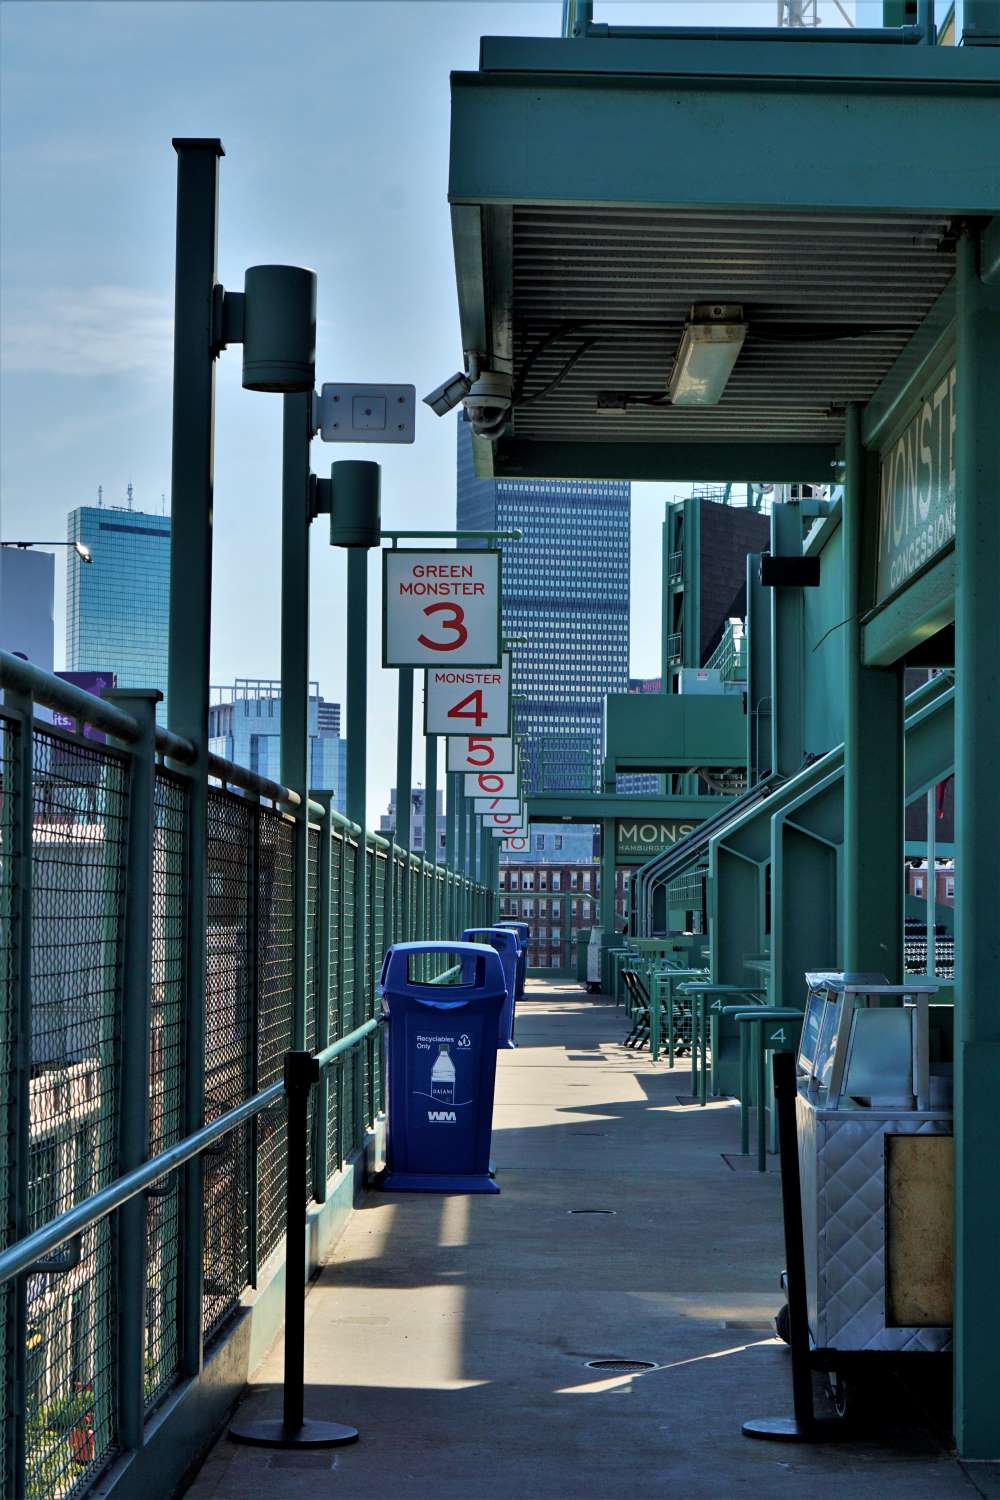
118,605
566,588
244,726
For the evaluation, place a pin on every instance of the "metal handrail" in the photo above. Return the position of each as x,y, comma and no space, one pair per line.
64,697
20,1257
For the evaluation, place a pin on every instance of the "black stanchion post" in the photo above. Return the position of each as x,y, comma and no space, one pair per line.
804,1426
293,1429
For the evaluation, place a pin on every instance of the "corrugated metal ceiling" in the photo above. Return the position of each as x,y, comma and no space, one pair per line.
626,278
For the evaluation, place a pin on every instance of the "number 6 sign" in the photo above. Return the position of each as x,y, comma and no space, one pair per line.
440,608
470,699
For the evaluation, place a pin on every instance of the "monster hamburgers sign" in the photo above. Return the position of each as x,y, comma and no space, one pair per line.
637,840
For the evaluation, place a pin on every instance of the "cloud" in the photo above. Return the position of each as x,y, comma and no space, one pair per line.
94,330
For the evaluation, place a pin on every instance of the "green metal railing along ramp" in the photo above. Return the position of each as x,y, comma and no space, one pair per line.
110,1282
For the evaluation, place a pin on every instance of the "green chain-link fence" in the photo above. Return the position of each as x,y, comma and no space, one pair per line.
67,916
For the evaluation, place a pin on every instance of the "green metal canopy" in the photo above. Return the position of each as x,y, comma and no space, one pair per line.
601,187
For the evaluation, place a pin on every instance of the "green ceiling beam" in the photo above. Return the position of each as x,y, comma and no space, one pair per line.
591,807
688,124
519,458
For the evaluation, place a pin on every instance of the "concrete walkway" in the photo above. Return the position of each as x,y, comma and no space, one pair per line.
455,1332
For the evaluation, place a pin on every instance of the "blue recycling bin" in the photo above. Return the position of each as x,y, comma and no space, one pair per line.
440,1050
506,944
523,938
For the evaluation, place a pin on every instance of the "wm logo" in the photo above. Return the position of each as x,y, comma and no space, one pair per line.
442,1117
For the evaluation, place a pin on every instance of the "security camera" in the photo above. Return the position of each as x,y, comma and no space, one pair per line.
448,394
488,402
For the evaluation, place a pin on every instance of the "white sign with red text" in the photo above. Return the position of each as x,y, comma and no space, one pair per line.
440,607
480,753
512,822
497,805
468,698
493,784
517,845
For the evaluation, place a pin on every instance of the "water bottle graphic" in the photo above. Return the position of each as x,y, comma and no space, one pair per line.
443,1076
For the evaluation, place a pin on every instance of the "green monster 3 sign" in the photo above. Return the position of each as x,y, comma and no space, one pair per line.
917,500
637,841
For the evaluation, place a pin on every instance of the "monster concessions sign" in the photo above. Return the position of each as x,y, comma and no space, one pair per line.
916,513
637,840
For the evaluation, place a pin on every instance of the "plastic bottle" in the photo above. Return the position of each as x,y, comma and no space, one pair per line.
443,1075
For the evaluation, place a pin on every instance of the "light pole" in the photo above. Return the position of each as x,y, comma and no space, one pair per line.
82,552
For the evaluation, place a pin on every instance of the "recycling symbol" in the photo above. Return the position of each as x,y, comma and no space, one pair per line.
465,1040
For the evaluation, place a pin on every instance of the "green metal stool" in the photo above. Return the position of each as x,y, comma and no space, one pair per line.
705,999
769,1027
662,985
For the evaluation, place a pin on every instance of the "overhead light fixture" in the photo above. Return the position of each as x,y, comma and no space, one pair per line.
83,553
709,348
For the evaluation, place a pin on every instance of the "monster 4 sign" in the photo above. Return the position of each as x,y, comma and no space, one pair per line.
440,607
480,753
468,698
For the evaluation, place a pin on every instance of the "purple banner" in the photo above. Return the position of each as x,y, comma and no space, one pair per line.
91,682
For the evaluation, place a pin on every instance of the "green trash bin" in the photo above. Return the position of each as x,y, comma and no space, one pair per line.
582,944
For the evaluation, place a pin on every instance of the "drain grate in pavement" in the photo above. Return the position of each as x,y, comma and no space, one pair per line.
610,1211
620,1366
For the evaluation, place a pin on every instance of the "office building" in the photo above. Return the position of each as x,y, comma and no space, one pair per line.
387,822
244,725
27,589
566,589
118,605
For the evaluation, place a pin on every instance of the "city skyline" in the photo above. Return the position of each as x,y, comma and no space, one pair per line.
87,276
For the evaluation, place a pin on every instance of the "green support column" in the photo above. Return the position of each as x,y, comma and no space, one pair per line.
977,817
430,798
757,645
787,651
296,437
133,1095
18,1102
404,787
873,754
451,927
191,492
607,906
461,914
357,763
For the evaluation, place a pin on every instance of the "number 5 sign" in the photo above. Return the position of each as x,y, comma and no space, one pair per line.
468,699
440,607
480,753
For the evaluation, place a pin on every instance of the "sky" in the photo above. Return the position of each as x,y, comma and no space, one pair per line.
334,116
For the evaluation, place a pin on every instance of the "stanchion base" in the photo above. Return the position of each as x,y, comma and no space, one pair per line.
271,1432
788,1430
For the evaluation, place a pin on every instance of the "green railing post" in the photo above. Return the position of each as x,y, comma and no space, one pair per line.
296,437
324,900
192,479
134,1033
19,1100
